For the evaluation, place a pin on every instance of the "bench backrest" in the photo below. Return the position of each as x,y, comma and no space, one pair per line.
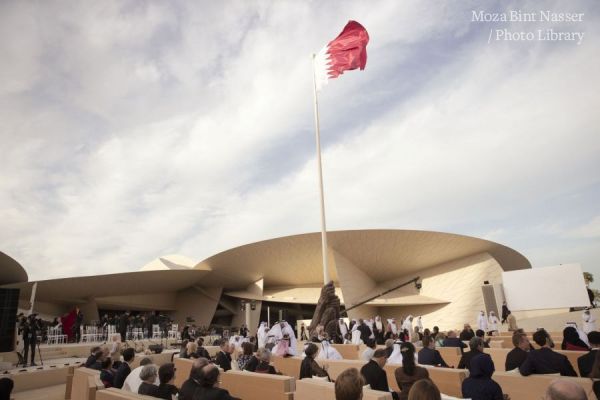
119,394
255,386
348,351
157,359
86,382
183,366
312,389
499,357
450,354
336,367
448,380
37,379
289,366
534,386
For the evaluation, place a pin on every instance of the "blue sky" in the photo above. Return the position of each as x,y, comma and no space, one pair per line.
134,129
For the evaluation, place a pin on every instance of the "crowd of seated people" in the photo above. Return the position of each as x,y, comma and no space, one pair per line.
410,376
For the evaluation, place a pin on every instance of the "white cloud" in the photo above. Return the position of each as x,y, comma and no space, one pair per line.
149,129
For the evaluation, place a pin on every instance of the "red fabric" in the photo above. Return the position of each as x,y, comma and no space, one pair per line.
68,320
348,51
570,346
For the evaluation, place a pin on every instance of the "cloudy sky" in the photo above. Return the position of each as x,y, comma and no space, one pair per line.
135,129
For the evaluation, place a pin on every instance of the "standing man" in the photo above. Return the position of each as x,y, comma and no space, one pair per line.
505,312
123,322
78,323
30,330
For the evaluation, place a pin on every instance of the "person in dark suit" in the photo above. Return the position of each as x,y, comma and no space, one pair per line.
77,325
453,341
194,382
208,391
375,375
428,355
123,322
517,356
124,369
476,346
586,361
201,351
505,312
223,359
545,360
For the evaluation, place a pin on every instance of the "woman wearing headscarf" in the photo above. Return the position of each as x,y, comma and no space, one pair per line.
572,341
409,372
309,367
480,385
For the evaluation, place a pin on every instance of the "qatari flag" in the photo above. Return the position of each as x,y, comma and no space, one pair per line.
346,52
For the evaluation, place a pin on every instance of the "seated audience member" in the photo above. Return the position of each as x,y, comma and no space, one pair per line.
512,322
107,375
254,360
439,339
375,375
476,346
349,385
245,356
124,369
133,381
282,348
428,355
264,366
467,333
453,341
480,385
166,388
586,361
309,367
223,359
561,389
389,347
571,340
191,349
369,351
481,334
194,382
435,332
149,376
545,360
328,352
6,388
201,351
517,356
92,360
183,349
424,390
409,372
209,389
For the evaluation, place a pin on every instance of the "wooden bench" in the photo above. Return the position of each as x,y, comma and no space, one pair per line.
289,366
450,354
448,380
520,387
36,379
119,394
86,382
336,367
312,389
183,366
499,357
157,359
254,386
348,351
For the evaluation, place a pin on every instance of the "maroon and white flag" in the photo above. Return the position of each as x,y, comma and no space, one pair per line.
346,52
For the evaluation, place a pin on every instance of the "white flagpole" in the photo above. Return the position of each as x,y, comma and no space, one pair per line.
326,277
